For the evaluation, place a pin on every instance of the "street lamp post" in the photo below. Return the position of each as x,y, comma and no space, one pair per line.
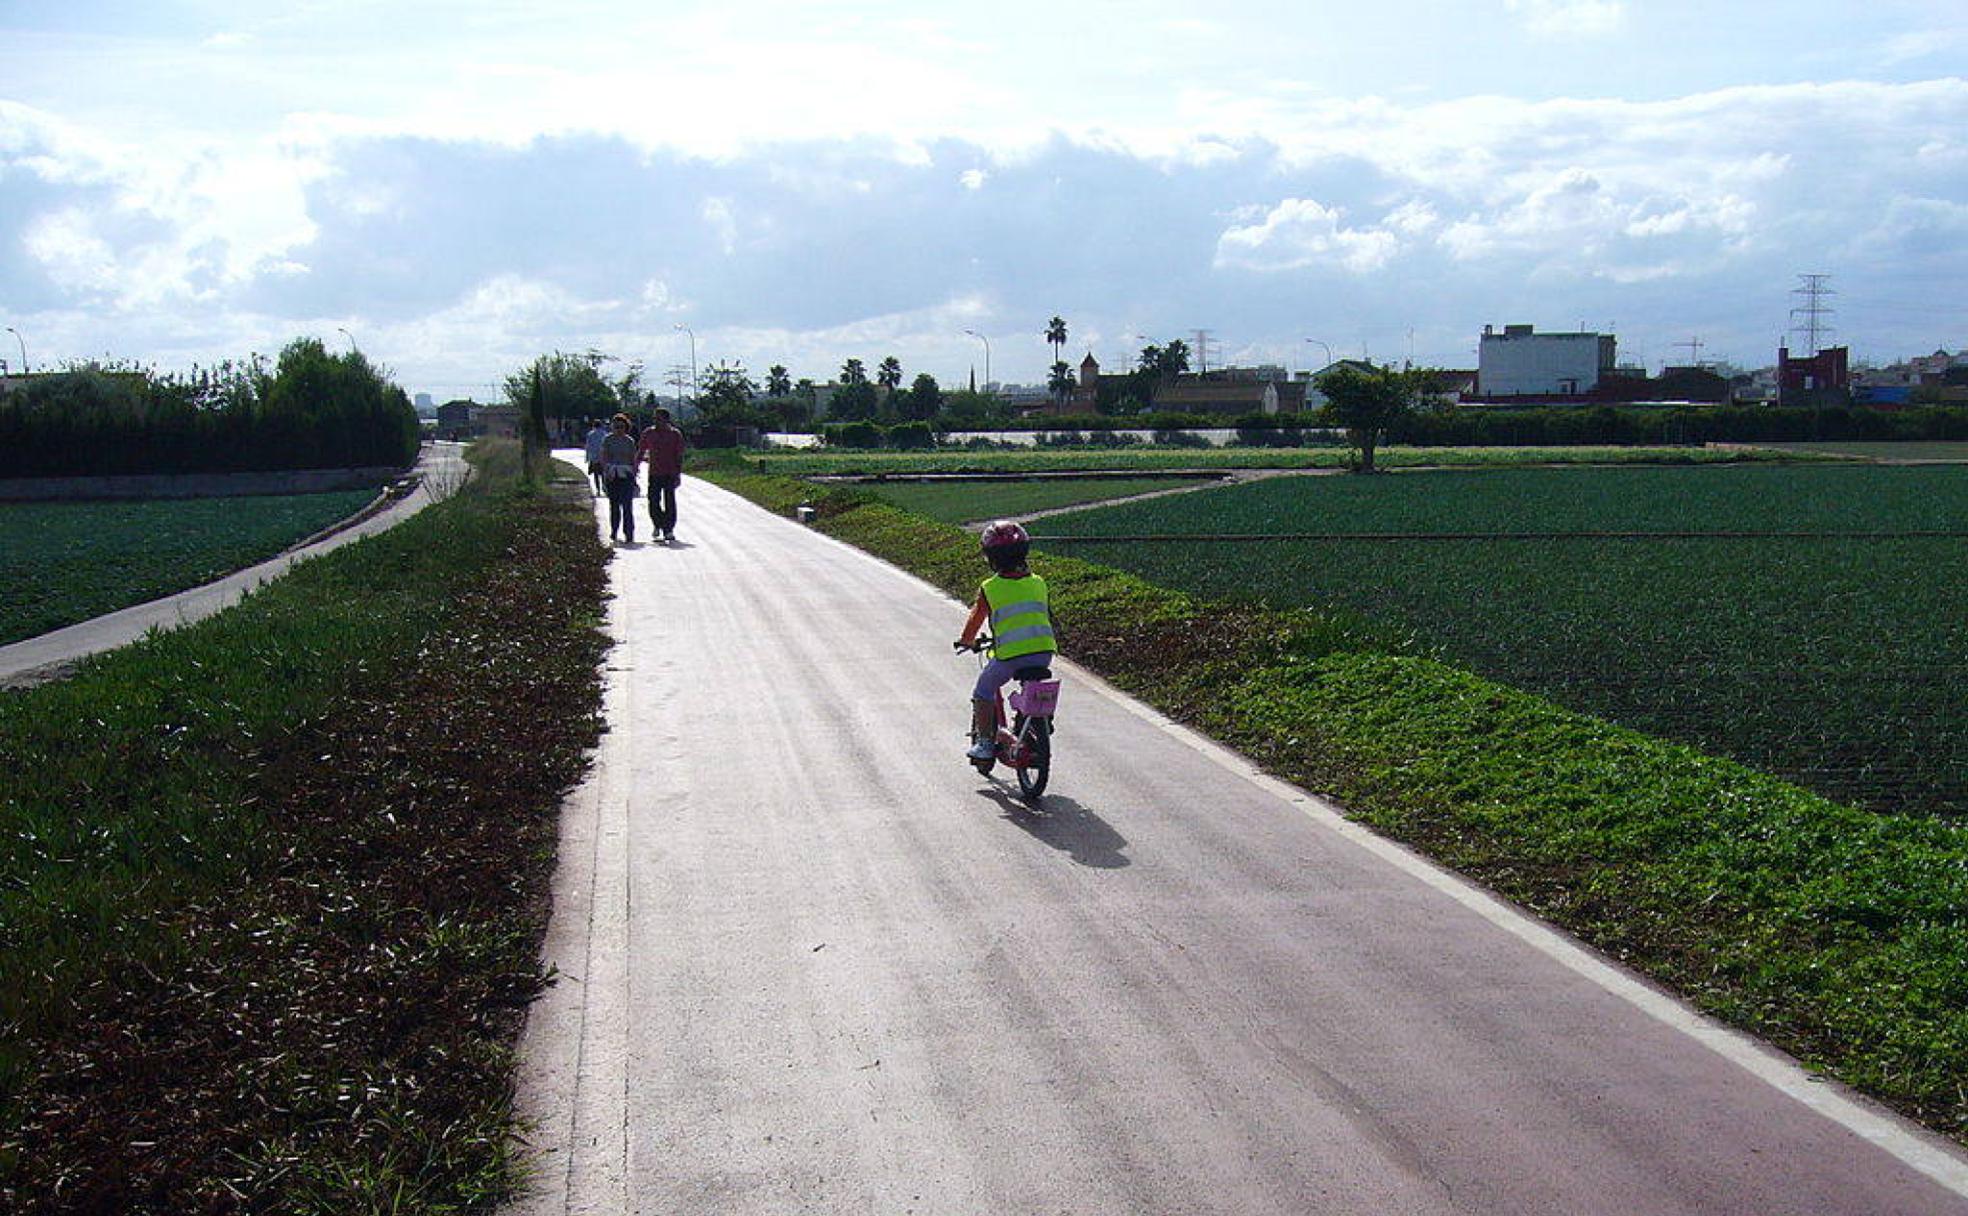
1326,348
353,348
987,356
23,346
693,357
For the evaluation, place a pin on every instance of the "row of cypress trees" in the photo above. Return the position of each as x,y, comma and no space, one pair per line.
313,409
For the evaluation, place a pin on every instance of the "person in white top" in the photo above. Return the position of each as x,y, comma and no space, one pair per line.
594,439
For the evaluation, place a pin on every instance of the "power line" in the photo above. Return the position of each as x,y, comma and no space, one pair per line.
1814,327
1202,350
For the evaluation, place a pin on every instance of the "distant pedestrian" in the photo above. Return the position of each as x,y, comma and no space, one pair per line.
618,476
594,439
662,447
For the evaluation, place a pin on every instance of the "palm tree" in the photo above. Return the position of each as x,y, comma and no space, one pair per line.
1056,335
778,382
1061,382
889,374
854,372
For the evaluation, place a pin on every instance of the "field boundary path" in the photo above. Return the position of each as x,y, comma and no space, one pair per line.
808,960
439,471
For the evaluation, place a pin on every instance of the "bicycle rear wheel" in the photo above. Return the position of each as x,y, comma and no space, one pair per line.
1037,770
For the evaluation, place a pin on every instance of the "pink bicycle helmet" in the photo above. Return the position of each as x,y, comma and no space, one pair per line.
1005,544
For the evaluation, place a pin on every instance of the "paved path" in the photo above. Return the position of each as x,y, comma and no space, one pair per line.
441,470
810,962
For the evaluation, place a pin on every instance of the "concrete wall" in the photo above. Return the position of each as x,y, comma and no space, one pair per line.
193,485
1518,362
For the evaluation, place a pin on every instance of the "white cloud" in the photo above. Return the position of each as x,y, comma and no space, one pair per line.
724,225
1569,18
1924,43
1414,218
68,249
973,179
1300,233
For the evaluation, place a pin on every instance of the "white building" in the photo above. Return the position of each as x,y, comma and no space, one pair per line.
1521,363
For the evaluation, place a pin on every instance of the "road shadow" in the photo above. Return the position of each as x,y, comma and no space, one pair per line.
1063,824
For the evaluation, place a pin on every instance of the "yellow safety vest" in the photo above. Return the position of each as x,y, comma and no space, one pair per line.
1021,616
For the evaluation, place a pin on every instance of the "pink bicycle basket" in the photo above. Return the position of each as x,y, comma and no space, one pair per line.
1037,699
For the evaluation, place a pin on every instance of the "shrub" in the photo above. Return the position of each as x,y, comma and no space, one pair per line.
862,435
911,436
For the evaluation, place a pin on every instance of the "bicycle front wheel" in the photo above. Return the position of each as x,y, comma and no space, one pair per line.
1037,770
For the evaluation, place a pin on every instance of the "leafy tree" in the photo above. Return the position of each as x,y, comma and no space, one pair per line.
1061,381
572,386
854,401
724,396
778,382
628,386
789,413
925,398
967,408
343,405
1156,366
1366,401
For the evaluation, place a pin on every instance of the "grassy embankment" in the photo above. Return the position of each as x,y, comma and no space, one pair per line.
271,885
69,561
1838,934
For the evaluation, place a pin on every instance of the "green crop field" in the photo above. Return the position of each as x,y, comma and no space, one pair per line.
68,562
1834,659
963,501
1912,450
804,463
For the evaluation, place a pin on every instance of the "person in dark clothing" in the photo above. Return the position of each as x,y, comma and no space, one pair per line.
618,475
662,449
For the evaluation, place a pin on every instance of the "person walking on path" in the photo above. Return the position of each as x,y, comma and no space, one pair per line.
595,437
662,447
618,476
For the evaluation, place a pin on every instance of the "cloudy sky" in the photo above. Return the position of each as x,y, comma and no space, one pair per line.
462,186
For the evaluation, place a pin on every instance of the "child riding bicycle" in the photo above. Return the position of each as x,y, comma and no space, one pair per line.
1015,603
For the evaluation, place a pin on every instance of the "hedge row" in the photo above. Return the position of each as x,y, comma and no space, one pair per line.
314,411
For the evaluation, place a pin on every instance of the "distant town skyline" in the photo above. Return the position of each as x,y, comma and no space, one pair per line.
456,188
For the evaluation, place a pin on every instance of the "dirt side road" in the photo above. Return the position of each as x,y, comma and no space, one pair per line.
812,963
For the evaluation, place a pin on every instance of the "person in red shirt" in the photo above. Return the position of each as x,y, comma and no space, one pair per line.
662,449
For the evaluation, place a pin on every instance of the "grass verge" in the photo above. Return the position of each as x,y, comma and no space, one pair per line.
966,501
1837,934
272,884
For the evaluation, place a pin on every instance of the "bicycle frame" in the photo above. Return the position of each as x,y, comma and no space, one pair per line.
1024,740
1034,702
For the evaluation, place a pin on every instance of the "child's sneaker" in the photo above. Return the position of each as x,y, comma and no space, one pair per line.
983,749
